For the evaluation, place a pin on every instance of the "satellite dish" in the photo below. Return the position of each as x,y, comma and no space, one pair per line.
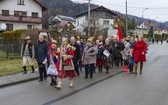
3,26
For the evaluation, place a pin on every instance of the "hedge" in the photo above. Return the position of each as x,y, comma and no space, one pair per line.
12,35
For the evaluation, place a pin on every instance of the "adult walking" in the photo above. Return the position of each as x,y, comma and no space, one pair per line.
118,47
107,58
139,54
41,50
77,54
161,40
89,58
27,53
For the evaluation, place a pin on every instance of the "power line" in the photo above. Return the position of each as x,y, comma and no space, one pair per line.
129,6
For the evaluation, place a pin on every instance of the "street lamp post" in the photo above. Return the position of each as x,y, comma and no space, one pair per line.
154,29
142,20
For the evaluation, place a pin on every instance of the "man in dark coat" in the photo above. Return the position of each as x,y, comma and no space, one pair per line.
118,47
77,55
40,55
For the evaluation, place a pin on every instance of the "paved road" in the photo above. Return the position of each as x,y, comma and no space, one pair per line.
150,88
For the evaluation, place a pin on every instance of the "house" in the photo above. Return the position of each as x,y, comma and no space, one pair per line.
143,28
21,14
60,21
100,18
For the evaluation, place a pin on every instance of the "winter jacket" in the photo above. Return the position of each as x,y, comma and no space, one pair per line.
89,55
139,51
41,50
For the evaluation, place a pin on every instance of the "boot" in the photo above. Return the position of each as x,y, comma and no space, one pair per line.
131,69
141,66
71,84
32,69
58,86
136,66
52,82
107,70
55,82
25,71
99,69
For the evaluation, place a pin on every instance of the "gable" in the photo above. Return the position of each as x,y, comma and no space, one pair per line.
99,8
37,2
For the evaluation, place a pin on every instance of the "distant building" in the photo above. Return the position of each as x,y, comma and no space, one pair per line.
60,21
143,28
101,18
21,14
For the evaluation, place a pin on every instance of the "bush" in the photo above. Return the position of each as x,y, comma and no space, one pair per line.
11,41
12,35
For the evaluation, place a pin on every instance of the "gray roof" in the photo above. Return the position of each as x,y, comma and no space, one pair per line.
66,18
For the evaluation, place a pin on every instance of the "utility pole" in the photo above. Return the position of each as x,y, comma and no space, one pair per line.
89,18
143,20
126,19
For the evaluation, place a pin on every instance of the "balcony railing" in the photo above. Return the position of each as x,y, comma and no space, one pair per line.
24,19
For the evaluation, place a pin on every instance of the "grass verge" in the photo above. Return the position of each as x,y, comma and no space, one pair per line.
10,67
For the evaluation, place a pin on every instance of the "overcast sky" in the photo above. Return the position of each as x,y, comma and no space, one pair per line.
158,9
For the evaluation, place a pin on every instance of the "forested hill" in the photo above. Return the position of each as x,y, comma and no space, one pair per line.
64,7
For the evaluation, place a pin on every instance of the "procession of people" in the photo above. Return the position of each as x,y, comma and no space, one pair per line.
95,55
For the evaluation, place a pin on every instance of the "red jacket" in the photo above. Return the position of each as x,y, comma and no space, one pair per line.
139,51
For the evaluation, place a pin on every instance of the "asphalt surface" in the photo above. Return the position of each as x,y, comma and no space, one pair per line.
150,88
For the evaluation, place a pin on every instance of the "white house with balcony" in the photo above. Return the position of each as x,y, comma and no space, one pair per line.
21,14
100,18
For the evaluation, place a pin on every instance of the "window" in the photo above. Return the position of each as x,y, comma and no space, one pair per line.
5,12
20,2
106,22
94,23
77,23
34,14
30,26
20,13
9,27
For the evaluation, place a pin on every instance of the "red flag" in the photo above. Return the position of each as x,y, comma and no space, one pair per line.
119,33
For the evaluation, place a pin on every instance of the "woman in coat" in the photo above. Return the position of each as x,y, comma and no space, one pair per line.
107,58
139,53
89,58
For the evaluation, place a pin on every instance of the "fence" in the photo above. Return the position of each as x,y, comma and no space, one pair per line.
9,49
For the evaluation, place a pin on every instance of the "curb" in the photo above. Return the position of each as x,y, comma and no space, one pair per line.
35,78
18,82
